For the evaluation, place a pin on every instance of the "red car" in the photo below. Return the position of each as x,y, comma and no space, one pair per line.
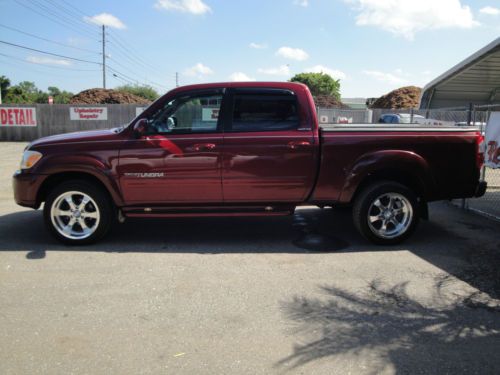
230,149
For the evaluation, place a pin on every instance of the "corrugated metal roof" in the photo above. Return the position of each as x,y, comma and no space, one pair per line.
475,80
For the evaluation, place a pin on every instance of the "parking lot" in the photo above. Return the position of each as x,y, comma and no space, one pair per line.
302,294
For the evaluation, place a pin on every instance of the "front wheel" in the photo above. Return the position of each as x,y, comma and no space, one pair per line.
78,213
386,213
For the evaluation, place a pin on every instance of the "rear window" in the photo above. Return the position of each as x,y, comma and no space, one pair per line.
264,112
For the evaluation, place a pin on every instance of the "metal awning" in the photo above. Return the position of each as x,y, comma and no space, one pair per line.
475,80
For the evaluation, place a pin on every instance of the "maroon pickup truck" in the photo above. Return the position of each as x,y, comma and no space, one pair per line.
240,149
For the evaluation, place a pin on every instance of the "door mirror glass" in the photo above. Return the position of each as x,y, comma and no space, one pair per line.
141,128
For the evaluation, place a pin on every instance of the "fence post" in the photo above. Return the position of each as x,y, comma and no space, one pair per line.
411,115
469,114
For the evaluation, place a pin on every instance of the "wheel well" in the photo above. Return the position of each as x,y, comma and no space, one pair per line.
56,179
395,175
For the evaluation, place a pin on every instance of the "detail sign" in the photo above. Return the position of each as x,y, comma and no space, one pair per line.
17,116
88,113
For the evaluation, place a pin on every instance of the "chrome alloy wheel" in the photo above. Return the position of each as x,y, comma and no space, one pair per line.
75,215
390,215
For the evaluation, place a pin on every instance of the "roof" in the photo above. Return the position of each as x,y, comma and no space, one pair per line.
215,85
475,80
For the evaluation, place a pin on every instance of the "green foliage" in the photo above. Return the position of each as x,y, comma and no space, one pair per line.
319,84
146,92
27,93
4,86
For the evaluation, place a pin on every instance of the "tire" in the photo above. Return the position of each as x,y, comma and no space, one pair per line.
382,221
78,212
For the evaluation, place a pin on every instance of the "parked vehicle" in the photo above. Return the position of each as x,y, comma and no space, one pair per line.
400,118
232,149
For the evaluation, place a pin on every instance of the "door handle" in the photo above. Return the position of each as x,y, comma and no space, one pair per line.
204,147
294,145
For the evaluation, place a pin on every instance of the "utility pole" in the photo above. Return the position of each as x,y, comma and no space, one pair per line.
176,79
103,56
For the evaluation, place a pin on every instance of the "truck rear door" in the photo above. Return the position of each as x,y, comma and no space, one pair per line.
268,152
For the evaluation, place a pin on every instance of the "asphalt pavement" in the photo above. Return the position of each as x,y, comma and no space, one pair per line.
302,295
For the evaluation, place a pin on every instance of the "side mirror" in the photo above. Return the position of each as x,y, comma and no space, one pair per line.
141,128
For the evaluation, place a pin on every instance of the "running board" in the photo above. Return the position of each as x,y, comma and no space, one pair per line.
225,211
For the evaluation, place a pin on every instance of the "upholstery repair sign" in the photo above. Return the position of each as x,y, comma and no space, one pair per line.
493,141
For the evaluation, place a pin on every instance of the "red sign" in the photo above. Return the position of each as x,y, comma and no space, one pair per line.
17,116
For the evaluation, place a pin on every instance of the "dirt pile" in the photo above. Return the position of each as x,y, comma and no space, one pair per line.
325,101
103,96
404,97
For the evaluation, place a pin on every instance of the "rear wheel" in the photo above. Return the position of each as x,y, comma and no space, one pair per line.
77,212
386,213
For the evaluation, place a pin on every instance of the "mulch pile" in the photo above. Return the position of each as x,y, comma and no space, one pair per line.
404,97
103,96
325,101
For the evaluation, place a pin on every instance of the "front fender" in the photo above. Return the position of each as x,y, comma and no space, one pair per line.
101,169
388,163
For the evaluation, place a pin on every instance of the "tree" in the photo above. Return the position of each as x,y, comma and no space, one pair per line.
144,91
4,86
60,97
319,84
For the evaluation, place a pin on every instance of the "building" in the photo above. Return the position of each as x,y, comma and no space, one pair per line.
476,80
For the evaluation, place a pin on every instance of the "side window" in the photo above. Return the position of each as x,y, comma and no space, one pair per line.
264,112
189,114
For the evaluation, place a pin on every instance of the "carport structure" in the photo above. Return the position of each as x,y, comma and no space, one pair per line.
476,80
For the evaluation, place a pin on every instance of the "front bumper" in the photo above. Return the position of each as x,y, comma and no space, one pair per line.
481,189
26,186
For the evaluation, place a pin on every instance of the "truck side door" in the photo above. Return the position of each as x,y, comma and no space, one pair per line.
180,162
269,153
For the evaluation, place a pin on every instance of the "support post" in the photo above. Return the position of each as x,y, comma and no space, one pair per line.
103,56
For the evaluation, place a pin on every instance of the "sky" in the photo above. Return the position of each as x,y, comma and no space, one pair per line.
372,46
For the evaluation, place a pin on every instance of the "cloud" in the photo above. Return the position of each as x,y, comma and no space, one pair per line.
199,70
337,74
385,77
283,70
105,19
240,77
185,6
257,45
407,17
302,3
48,61
490,11
292,53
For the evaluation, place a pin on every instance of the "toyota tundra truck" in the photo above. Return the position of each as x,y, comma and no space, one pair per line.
245,149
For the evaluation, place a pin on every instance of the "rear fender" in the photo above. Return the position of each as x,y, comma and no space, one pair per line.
398,165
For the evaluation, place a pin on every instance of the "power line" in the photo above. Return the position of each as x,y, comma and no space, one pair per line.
47,40
135,80
74,7
48,66
49,53
62,17
87,33
61,8
133,54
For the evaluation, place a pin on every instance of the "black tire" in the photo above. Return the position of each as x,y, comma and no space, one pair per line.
105,210
367,197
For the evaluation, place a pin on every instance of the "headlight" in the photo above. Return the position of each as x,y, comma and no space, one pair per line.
30,158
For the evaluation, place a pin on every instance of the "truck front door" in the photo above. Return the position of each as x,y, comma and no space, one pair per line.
268,149
180,161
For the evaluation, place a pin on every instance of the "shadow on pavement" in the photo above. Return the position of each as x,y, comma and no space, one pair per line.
459,244
452,337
